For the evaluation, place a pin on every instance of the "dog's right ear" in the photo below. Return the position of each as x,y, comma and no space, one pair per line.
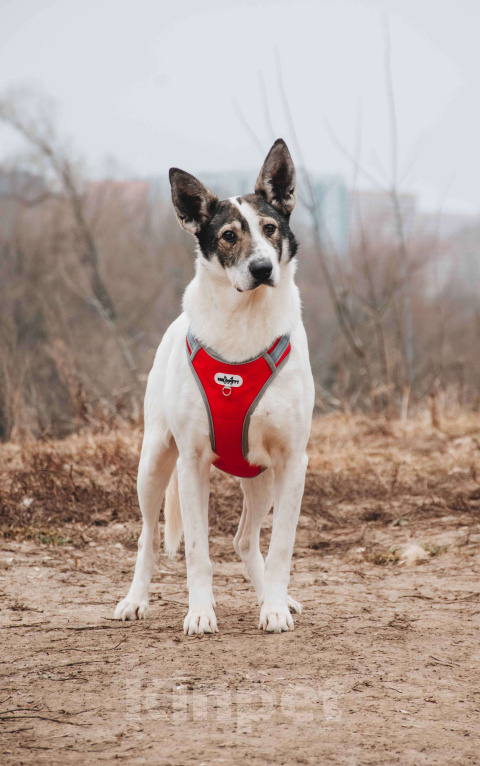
192,201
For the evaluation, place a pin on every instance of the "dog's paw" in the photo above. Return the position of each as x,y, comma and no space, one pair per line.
200,620
129,609
276,618
294,606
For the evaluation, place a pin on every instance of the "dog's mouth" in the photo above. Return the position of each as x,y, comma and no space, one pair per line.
255,286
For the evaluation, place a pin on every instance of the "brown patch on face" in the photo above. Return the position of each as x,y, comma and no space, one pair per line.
226,217
271,231
234,242
267,213
231,235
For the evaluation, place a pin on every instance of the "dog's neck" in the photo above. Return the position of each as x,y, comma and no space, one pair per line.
239,326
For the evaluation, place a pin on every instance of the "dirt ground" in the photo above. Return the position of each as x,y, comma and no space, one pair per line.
383,666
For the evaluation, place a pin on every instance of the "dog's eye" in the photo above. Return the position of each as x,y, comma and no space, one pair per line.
229,236
269,229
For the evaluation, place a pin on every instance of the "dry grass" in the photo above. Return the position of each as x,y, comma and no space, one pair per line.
362,472
86,478
400,465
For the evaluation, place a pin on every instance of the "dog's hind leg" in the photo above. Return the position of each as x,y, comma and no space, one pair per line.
257,502
157,462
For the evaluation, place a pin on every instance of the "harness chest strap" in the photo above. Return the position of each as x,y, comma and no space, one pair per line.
231,392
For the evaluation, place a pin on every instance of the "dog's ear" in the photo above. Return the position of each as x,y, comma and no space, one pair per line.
192,201
276,181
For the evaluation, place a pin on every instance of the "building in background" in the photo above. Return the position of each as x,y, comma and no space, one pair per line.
17,187
230,184
21,185
333,200
375,211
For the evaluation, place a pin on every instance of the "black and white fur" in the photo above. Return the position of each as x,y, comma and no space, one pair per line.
242,298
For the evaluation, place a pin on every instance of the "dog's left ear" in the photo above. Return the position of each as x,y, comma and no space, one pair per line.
276,181
192,201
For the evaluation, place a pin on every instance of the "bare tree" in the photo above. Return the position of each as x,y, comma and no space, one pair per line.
377,323
38,130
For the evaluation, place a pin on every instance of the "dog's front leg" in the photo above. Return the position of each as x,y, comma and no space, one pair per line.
157,461
289,484
194,488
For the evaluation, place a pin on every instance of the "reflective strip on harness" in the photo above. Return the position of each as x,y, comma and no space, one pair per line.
231,392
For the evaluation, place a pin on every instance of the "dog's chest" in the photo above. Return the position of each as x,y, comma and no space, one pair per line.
231,393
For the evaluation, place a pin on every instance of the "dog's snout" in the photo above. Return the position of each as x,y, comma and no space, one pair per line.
261,270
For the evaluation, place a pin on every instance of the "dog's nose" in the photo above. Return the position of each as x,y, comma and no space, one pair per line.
261,270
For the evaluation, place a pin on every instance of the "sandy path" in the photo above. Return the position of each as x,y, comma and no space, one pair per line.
382,668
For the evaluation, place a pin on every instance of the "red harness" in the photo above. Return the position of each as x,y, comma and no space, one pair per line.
231,391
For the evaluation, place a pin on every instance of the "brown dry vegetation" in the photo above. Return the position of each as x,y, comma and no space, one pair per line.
382,666
360,470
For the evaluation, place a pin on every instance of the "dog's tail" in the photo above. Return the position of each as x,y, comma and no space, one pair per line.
173,517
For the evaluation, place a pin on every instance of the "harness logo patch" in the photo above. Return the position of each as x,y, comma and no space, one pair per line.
232,381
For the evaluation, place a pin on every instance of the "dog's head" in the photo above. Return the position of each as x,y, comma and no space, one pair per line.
247,238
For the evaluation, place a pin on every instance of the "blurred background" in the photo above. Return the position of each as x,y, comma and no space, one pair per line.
377,102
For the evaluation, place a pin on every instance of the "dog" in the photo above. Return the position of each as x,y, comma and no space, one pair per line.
242,299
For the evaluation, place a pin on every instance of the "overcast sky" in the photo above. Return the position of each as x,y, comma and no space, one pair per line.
153,83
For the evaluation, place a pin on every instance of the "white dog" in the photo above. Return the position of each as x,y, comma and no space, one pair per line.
240,342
